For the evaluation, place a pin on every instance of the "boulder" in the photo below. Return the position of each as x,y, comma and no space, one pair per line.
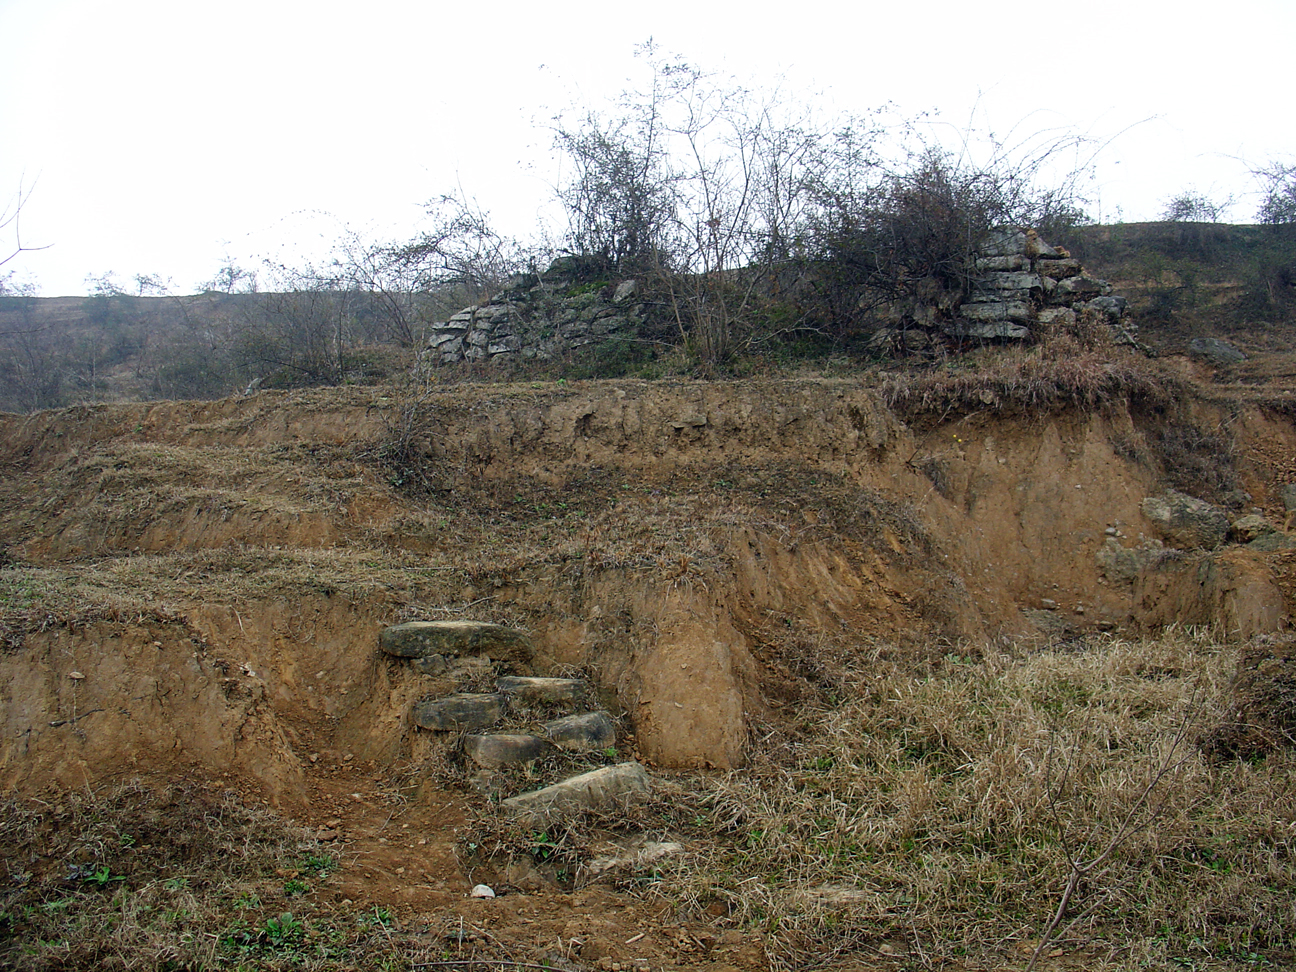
1018,311
1109,307
1122,565
543,689
1251,527
1058,269
418,639
1215,352
1057,316
1186,521
1006,242
1082,287
585,732
505,749
600,789
987,330
466,712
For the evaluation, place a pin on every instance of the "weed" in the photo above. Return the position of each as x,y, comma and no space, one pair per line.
283,932
101,876
377,916
320,865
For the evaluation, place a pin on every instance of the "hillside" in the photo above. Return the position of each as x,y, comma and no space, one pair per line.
840,619
1187,283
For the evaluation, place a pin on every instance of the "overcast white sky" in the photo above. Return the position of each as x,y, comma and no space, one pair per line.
162,136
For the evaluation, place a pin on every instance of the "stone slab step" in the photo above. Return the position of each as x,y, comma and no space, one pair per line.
420,639
603,788
466,712
585,732
531,689
505,749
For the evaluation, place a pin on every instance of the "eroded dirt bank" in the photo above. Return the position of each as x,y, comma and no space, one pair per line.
202,584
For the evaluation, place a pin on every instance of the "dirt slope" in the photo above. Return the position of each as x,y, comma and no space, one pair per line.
665,537
196,589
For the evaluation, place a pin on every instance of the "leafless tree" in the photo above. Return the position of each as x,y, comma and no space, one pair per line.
11,226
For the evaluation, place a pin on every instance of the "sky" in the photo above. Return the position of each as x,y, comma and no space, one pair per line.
168,137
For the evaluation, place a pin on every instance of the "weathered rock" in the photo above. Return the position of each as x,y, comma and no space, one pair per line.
1057,316
583,733
505,749
1017,311
431,664
987,330
1288,494
417,639
1058,269
637,852
466,712
1110,307
625,290
604,788
1272,542
1082,287
1215,352
1006,286
1008,241
1015,261
1251,527
543,689
1122,565
1187,521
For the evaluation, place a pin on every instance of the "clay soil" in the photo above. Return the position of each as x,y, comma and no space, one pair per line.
192,596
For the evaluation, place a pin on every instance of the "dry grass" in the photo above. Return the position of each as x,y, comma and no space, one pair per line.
1060,375
926,814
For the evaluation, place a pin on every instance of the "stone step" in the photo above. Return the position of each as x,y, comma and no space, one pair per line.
534,689
451,639
465,712
505,749
585,732
604,788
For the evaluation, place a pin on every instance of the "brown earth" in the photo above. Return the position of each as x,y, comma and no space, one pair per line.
195,590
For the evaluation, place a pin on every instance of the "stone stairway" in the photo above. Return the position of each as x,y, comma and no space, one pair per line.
535,716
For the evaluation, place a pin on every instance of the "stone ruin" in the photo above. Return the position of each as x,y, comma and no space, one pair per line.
1022,284
541,316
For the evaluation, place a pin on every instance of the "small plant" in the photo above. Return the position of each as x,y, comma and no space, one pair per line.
295,887
283,932
543,846
378,917
101,876
321,865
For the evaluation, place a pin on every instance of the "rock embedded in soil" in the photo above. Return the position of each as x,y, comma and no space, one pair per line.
505,749
543,689
600,789
584,732
422,639
1251,527
466,712
1187,521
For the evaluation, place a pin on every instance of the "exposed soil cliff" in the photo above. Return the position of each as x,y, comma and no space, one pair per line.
215,574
